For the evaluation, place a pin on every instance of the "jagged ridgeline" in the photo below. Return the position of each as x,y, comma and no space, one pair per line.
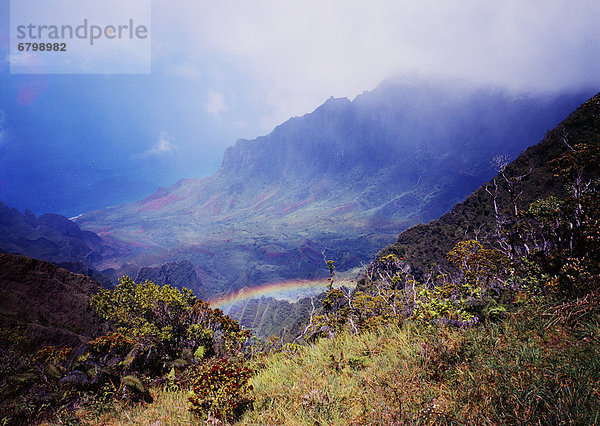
344,179
268,316
425,245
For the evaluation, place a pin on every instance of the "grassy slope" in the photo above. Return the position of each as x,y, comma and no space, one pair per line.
540,365
168,408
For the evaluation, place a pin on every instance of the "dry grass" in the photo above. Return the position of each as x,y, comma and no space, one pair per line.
539,366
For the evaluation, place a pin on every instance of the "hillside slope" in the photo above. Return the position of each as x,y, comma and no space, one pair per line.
51,304
425,244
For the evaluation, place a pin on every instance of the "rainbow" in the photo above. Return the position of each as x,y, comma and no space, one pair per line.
291,290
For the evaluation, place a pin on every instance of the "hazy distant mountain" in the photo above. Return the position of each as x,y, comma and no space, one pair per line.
344,179
56,239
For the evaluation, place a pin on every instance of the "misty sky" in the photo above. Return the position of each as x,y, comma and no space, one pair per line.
230,69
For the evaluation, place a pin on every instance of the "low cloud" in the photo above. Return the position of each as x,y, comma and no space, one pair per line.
216,103
162,147
300,53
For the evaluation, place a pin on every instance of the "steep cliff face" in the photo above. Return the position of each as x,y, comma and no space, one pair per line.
176,274
344,179
51,304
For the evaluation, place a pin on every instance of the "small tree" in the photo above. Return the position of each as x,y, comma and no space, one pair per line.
148,313
172,320
480,270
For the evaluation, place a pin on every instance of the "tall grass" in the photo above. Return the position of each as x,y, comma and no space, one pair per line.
541,365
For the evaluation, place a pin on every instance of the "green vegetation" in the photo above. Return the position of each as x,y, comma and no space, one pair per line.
163,338
539,365
506,330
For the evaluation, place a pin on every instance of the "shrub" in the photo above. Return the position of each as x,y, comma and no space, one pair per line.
172,321
222,390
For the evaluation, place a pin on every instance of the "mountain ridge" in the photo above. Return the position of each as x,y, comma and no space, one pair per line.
344,179
414,243
56,239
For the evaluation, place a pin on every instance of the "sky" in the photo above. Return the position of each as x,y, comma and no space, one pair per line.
72,143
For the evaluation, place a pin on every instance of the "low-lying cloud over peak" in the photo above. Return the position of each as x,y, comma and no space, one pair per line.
305,51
